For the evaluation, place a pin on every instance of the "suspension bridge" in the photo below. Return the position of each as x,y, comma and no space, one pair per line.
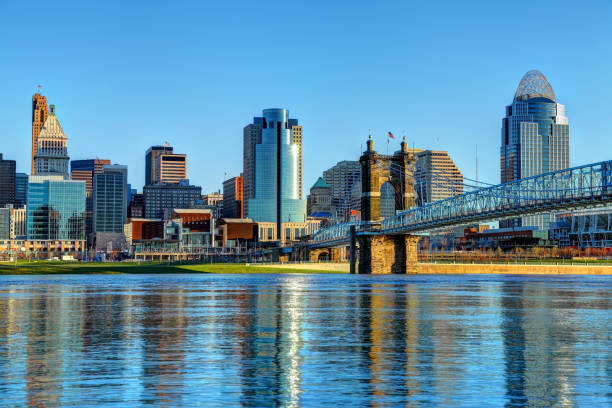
388,245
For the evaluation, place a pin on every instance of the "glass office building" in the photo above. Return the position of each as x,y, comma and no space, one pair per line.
277,172
534,138
55,208
109,199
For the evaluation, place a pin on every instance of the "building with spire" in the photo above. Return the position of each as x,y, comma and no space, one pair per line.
534,138
39,116
51,157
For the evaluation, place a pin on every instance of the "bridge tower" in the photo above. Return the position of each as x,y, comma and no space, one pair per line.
386,253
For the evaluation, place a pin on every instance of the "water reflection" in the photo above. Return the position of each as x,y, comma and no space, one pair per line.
305,341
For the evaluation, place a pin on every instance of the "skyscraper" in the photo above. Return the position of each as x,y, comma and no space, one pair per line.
39,116
56,208
151,156
436,177
344,178
7,181
251,138
170,168
233,198
534,138
109,199
296,139
276,173
51,148
85,170
21,189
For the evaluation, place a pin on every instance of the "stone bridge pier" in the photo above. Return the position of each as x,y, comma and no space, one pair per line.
385,254
326,254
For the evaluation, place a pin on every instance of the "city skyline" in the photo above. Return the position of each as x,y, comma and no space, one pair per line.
393,82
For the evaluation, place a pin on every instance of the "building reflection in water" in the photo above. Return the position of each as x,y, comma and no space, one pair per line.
305,340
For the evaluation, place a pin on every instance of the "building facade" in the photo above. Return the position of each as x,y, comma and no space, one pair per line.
52,148
151,156
21,189
39,116
251,138
344,180
161,199
7,181
277,197
55,208
170,168
319,201
109,199
534,138
436,177
85,170
233,197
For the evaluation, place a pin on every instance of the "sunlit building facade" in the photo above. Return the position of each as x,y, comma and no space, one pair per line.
56,208
534,138
277,188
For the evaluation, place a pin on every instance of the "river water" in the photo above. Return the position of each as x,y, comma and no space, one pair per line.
305,340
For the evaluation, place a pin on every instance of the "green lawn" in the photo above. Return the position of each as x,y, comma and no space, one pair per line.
56,267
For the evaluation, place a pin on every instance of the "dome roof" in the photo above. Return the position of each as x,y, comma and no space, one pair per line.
320,183
534,85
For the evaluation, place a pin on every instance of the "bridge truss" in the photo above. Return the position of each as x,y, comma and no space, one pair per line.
578,187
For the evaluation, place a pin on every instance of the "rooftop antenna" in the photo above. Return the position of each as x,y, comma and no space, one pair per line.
477,165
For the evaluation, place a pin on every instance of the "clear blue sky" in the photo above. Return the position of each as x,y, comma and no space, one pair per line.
125,75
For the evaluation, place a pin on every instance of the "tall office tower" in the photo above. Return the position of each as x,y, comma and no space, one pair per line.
233,198
39,117
251,138
436,177
109,199
534,138
170,168
151,156
7,181
55,208
21,189
51,148
343,178
276,173
85,170
296,139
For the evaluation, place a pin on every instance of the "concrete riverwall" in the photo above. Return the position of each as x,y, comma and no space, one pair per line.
464,268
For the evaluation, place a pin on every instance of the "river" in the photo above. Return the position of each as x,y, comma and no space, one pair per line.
305,340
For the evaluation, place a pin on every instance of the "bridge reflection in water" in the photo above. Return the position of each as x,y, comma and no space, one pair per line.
305,340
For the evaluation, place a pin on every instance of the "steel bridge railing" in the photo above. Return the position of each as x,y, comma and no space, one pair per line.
578,187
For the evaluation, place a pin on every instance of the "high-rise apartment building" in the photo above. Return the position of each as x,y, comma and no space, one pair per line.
85,170
51,148
251,138
109,199
151,156
436,177
276,173
233,198
21,189
39,116
55,208
534,138
7,181
170,168
343,179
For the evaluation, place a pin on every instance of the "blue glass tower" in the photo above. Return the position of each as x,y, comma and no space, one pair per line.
55,208
277,195
534,138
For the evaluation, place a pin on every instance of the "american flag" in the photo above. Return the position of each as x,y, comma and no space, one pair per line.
391,135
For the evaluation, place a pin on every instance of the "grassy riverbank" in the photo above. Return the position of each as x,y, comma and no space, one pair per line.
50,268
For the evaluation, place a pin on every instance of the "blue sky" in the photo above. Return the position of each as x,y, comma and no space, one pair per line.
126,75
